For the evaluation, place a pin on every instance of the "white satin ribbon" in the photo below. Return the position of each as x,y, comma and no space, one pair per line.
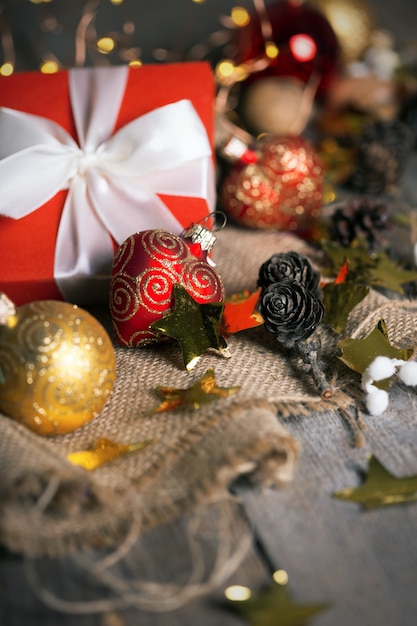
112,180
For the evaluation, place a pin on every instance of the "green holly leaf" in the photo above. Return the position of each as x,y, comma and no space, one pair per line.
373,269
357,257
275,607
385,273
380,488
358,354
339,300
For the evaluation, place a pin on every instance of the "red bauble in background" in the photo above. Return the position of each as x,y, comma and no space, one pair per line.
145,269
307,44
282,190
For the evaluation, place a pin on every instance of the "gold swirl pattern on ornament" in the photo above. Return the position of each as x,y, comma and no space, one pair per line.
41,335
124,254
73,384
154,289
143,338
124,302
163,246
201,281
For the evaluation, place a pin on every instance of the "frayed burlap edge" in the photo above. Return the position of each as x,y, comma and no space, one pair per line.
58,509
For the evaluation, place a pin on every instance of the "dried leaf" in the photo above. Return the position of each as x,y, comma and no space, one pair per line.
240,312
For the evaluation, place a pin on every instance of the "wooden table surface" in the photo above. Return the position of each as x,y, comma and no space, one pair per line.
362,564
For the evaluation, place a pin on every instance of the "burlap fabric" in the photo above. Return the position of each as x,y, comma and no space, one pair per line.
49,506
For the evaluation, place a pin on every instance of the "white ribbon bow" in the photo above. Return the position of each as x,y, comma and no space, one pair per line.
112,181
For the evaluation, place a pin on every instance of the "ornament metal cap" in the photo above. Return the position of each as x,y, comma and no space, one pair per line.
200,234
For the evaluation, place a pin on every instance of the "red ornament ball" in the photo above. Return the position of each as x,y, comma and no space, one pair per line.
146,267
305,39
283,190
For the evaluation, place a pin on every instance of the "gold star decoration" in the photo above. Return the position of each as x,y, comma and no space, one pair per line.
103,452
275,607
240,312
380,488
203,391
358,354
195,326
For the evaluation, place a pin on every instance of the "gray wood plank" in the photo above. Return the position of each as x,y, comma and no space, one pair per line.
163,555
363,563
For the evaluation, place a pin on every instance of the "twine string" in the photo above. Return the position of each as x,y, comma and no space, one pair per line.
151,595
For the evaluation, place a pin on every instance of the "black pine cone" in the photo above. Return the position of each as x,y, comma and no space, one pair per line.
288,265
382,150
361,218
290,311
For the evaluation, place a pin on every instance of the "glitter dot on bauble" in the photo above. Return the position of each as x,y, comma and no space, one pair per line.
58,367
282,190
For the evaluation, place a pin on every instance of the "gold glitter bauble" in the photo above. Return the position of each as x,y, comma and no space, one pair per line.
58,367
352,23
276,105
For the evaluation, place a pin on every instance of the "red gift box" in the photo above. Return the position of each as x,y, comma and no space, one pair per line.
159,173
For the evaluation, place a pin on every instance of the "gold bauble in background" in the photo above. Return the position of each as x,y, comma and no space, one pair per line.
352,23
58,366
277,105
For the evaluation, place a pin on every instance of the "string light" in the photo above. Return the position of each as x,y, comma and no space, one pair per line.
237,593
225,69
89,46
49,67
271,50
303,47
6,69
105,45
240,16
280,577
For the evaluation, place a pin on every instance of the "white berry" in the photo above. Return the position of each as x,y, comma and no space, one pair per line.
377,401
381,367
408,373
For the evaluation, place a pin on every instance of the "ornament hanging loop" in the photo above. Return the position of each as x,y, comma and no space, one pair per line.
214,215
